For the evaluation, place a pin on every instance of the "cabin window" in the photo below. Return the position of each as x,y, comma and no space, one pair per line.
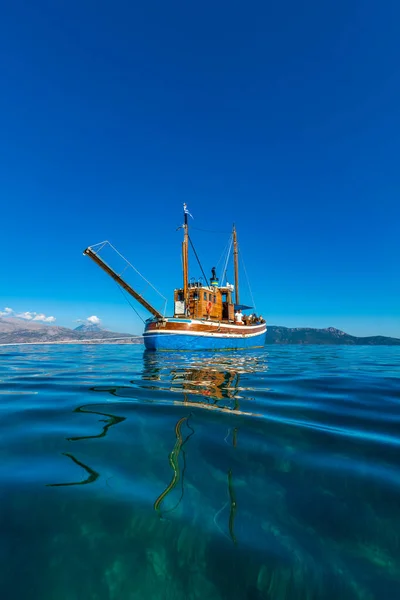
224,297
205,296
214,299
180,297
210,297
195,296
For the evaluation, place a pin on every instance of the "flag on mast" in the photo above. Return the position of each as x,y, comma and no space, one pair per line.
185,210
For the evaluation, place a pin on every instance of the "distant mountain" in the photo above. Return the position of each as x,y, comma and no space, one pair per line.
308,335
89,327
14,330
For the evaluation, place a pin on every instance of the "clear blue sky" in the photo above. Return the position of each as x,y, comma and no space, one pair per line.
283,117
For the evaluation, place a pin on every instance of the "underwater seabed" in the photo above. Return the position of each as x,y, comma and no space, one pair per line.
98,552
191,484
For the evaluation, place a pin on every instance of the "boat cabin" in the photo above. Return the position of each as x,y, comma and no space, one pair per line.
205,302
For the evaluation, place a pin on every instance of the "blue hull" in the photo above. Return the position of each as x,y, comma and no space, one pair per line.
176,341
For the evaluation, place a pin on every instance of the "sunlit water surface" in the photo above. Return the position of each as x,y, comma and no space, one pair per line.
271,474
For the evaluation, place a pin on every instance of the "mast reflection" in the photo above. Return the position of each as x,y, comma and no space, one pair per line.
210,382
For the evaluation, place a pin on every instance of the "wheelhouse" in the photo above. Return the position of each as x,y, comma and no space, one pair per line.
205,302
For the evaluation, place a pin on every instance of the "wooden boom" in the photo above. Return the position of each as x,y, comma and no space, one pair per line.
96,258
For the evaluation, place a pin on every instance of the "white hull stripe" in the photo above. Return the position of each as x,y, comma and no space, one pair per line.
204,334
212,323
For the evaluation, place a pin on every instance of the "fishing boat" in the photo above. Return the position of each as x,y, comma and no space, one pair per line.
207,314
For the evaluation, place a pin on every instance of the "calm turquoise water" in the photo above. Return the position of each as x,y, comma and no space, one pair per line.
267,475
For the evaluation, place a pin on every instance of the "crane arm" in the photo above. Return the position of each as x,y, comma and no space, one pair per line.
100,262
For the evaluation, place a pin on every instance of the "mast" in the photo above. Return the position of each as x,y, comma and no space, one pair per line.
96,258
236,265
185,253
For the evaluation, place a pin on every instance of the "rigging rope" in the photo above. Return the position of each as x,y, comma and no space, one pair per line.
209,230
222,255
198,260
248,282
129,302
97,248
227,260
102,244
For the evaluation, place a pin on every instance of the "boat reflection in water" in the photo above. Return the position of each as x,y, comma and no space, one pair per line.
211,383
207,381
168,410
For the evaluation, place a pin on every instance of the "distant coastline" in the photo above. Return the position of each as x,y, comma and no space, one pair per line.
15,331
110,341
330,335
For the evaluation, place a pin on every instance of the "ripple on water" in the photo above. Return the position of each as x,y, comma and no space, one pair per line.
265,474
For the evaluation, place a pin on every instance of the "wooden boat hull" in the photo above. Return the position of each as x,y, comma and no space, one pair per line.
193,334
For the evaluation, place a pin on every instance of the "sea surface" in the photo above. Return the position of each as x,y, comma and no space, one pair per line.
270,474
